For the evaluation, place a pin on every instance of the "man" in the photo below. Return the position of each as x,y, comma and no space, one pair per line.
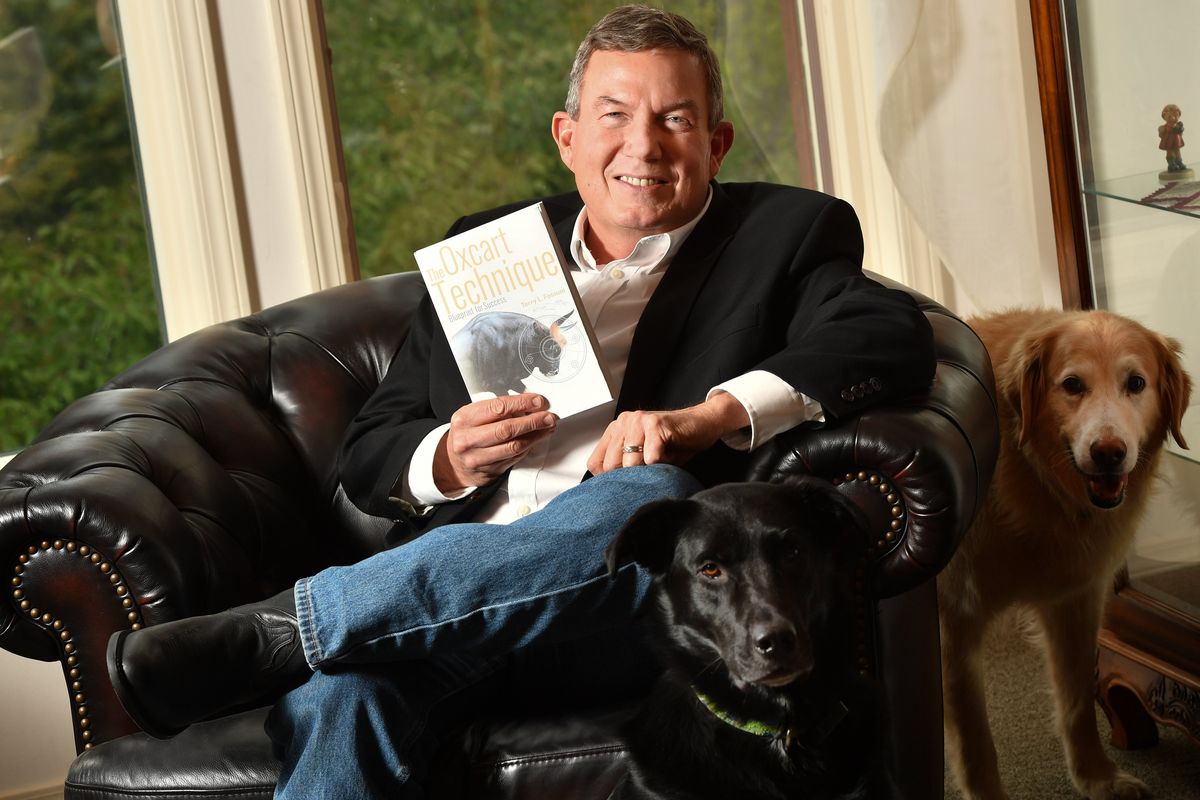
728,313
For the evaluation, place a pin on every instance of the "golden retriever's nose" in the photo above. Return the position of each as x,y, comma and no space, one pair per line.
1108,454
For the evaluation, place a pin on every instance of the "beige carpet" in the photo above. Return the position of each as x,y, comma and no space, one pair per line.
1031,759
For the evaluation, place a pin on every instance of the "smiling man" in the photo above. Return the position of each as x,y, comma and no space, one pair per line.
642,144
728,314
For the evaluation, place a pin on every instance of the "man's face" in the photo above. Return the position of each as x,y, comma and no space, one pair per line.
641,150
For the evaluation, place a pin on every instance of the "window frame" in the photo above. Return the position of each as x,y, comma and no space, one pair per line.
210,150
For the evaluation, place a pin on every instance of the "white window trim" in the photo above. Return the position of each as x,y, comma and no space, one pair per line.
234,231
320,170
181,136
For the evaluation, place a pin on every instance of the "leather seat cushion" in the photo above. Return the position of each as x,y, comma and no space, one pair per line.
224,758
231,758
568,757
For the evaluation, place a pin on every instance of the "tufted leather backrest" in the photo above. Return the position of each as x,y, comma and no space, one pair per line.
253,411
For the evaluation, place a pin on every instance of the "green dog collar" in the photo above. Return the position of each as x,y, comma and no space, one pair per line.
752,726
833,716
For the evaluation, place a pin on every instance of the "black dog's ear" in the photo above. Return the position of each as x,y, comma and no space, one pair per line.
649,536
824,498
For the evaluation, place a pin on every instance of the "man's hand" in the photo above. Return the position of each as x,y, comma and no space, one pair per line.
489,436
667,437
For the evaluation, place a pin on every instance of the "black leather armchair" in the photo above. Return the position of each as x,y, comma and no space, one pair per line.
205,476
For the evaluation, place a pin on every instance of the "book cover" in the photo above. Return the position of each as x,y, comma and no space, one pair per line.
512,315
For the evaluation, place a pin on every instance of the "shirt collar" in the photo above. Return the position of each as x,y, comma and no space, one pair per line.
655,251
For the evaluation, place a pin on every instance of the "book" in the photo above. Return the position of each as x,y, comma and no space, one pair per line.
512,314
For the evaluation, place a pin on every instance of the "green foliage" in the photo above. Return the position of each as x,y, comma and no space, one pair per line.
444,110
77,301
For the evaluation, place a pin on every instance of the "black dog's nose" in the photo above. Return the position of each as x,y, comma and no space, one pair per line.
774,641
1108,453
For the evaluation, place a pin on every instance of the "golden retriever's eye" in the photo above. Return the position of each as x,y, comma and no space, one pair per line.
1136,384
1073,385
710,570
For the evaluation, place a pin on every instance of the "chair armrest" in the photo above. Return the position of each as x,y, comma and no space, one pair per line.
132,513
918,469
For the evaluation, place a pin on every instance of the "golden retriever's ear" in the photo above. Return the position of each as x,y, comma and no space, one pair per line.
1176,390
1021,386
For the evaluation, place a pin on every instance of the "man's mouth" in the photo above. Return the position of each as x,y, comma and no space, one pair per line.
640,182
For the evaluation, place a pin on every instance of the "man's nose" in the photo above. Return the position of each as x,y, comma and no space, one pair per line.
642,140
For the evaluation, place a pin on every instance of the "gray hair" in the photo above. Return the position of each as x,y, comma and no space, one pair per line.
636,28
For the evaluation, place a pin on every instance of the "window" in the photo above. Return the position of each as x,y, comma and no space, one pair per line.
445,108
77,293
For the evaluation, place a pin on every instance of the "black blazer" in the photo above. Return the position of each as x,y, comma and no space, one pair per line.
769,279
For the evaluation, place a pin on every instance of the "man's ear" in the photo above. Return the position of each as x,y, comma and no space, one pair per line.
719,145
649,536
562,128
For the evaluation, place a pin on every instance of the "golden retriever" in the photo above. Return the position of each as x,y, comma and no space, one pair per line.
1086,401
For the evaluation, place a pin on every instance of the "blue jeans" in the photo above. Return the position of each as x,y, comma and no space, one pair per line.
408,643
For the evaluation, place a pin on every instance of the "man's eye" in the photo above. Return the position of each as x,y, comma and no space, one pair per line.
679,122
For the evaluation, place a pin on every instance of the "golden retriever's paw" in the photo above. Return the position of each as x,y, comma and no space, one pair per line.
1123,786
996,794
985,790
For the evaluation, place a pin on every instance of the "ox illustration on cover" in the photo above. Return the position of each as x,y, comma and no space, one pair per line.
512,315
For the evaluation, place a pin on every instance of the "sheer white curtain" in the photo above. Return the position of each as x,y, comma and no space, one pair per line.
960,132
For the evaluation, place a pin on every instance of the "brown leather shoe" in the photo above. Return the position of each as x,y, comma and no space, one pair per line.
171,675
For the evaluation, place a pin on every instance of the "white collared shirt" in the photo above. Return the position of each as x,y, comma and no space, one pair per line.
614,295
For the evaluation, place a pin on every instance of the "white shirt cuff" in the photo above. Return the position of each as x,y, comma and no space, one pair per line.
772,404
416,484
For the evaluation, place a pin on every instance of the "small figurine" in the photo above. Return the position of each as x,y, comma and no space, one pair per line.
1170,139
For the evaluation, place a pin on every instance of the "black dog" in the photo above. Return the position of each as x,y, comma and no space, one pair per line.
754,595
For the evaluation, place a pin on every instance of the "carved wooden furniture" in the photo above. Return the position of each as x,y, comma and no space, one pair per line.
1104,74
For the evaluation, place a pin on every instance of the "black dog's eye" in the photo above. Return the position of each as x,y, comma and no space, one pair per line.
710,570
1073,385
1136,384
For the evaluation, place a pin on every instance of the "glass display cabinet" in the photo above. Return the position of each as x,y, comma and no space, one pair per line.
1129,241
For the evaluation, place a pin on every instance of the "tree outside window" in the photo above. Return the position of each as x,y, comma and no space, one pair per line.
77,296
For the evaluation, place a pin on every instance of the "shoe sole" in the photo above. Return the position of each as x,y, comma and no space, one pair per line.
125,693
